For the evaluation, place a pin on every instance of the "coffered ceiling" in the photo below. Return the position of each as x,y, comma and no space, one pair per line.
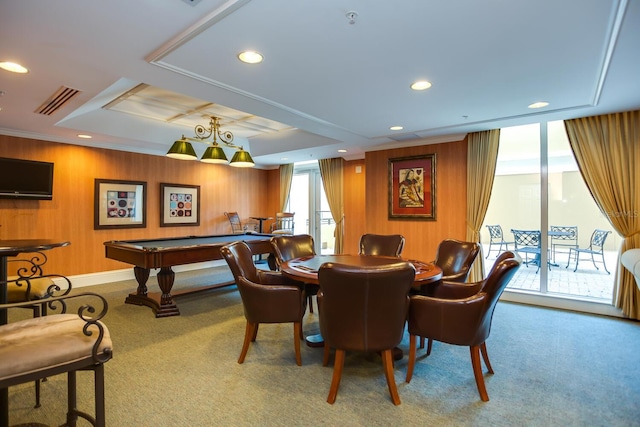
136,75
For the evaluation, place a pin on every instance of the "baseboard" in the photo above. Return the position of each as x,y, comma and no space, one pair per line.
99,278
561,302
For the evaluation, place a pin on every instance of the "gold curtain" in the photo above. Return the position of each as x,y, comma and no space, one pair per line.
607,150
482,157
333,183
286,176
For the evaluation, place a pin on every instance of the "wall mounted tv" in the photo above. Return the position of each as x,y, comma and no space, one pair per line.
25,179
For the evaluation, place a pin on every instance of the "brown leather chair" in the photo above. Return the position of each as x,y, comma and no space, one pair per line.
363,309
286,248
455,258
465,321
456,290
383,245
267,296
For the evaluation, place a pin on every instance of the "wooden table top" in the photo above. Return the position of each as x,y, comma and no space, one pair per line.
305,269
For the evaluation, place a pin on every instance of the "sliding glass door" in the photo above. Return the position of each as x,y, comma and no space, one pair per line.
538,188
309,202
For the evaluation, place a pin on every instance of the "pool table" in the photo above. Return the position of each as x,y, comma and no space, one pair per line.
166,253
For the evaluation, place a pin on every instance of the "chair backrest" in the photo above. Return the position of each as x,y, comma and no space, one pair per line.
286,248
495,233
455,258
383,245
284,223
240,260
493,286
526,238
364,309
234,220
501,257
597,240
572,232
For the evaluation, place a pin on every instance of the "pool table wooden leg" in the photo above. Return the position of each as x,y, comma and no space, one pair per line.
162,304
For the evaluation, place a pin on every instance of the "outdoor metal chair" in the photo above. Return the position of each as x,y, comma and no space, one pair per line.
528,242
568,239
596,247
497,238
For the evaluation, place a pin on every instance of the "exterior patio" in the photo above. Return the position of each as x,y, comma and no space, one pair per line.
586,283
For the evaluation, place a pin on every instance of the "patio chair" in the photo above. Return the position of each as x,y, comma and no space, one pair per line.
528,242
563,237
596,247
497,238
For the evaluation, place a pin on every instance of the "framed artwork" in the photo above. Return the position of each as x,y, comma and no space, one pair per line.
412,187
119,204
179,205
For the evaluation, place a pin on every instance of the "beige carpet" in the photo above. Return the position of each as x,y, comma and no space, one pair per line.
552,368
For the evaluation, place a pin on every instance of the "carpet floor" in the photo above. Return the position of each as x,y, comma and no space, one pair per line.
552,368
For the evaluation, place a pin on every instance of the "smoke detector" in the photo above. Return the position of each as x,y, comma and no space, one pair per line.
351,16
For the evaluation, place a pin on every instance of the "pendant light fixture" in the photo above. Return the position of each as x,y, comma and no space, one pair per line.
183,150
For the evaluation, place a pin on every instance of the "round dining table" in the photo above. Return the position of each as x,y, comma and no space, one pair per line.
305,269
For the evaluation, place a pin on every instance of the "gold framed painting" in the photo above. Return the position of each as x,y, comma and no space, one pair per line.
412,187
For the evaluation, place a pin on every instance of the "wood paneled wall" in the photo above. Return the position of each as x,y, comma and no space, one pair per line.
422,237
354,204
69,216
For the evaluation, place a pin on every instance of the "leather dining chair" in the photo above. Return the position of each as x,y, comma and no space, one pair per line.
267,297
455,258
286,248
381,244
464,321
363,309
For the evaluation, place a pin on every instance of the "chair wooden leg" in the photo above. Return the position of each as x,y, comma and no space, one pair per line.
387,363
255,332
477,372
338,364
429,345
485,356
327,352
412,358
250,332
421,342
296,341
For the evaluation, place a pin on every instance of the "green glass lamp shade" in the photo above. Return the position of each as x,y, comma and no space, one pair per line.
242,159
214,154
182,150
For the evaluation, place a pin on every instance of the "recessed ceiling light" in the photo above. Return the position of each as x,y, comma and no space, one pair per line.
13,67
250,57
342,151
421,85
396,128
81,135
538,104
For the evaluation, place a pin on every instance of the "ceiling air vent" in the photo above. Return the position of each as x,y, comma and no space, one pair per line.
405,137
57,100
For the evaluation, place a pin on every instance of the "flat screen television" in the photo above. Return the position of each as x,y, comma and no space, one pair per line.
26,179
